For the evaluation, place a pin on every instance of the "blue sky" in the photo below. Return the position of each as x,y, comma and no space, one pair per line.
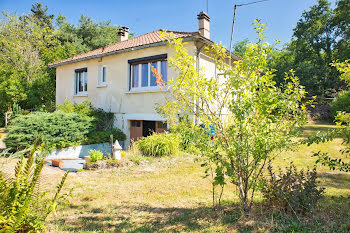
143,16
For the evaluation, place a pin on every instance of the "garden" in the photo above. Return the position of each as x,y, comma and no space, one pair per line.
243,153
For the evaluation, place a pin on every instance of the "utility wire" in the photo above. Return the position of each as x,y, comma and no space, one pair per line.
233,21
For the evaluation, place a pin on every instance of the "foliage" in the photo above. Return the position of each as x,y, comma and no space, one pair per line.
87,34
183,129
51,129
95,137
158,145
28,43
101,120
239,48
292,190
342,120
95,155
242,118
320,36
341,103
342,130
23,207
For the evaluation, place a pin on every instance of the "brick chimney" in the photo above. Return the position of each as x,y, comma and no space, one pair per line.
204,24
123,34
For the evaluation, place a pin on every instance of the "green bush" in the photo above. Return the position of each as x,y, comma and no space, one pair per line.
51,129
159,144
95,155
101,120
292,190
104,136
341,103
187,136
23,207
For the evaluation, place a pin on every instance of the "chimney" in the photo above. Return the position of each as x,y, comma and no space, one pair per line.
123,34
203,24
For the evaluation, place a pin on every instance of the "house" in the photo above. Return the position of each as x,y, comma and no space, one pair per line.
117,77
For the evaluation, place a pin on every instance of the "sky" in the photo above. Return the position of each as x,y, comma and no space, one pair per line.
143,16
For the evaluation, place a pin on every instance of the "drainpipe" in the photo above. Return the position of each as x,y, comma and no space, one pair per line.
198,68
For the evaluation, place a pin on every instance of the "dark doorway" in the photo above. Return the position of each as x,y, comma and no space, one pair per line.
148,128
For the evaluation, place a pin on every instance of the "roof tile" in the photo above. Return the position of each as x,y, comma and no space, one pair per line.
145,39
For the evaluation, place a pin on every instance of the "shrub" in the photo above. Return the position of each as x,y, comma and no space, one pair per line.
101,120
51,129
159,144
23,207
95,155
341,103
104,136
187,137
292,190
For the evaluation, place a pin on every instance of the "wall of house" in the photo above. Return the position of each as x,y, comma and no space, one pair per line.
116,97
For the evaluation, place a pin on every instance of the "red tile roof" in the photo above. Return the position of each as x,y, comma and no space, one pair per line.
145,39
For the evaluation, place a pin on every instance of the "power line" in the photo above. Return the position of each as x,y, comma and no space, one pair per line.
234,17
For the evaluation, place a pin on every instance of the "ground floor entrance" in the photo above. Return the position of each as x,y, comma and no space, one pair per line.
140,128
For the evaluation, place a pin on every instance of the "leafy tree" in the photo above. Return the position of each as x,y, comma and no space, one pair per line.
239,47
242,119
26,49
319,38
87,35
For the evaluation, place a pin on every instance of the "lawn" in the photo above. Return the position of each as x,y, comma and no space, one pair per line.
169,194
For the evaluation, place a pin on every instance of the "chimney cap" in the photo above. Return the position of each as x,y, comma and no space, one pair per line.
125,29
203,15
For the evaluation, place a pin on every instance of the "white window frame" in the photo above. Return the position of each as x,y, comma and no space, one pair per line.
76,83
140,87
100,81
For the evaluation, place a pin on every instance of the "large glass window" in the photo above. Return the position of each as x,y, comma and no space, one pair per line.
81,81
142,74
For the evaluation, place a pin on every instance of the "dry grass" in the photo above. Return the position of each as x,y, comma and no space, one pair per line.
170,195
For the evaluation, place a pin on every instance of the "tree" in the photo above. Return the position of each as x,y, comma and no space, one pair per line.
87,35
318,39
239,47
242,119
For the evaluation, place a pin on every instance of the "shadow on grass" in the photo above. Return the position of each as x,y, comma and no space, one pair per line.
144,218
335,180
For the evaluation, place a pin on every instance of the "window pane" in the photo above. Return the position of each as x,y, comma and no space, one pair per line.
135,78
85,81
144,75
153,78
164,70
104,74
80,82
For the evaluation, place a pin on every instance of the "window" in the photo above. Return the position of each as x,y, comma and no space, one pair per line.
136,123
102,75
80,81
162,125
141,76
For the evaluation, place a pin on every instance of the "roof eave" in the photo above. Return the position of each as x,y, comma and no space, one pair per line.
191,38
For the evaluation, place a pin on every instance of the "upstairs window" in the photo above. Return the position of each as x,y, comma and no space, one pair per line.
102,75
141,76
80,81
